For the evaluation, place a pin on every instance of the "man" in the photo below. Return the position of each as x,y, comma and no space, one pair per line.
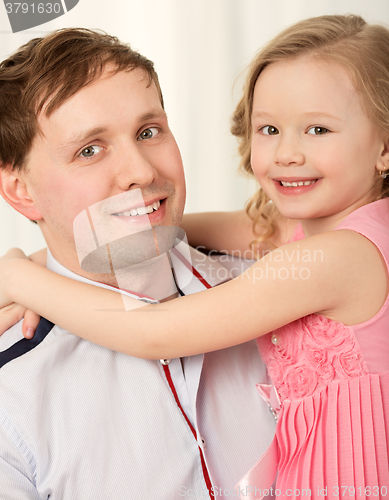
83,132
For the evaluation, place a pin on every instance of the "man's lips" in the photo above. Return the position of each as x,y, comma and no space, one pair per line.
148,208
133,212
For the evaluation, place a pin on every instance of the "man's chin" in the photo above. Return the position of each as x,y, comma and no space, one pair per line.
131,250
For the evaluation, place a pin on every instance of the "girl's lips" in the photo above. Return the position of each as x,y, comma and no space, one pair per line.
295,186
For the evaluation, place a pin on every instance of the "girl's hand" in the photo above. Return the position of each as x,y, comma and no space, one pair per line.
11,313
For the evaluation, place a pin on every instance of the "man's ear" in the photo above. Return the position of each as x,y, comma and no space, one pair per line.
14,190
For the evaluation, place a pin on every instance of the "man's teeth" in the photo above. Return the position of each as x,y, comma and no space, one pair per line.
295,184
140,211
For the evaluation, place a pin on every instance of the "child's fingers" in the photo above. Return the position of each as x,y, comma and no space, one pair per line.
9,315
30,323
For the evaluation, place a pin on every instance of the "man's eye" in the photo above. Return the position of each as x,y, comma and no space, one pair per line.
270,130
148,133
90,151
317,130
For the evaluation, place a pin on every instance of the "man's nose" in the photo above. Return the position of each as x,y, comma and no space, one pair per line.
134,170
289,151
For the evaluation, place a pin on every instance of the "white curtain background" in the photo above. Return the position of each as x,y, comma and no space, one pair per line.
199,47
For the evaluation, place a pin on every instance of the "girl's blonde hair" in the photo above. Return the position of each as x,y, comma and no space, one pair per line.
361,48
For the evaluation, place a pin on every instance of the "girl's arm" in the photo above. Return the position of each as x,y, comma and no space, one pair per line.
278,289
40,257
13,313
232,232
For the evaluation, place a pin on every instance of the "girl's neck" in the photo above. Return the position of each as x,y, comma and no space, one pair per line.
320,225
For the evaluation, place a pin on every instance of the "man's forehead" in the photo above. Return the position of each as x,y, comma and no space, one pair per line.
147,107
138,76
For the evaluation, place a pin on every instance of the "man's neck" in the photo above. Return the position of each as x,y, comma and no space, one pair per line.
153,278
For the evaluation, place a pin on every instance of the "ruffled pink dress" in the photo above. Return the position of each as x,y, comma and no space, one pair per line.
333,384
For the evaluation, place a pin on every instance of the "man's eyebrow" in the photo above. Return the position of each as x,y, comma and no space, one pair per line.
158,113
82,137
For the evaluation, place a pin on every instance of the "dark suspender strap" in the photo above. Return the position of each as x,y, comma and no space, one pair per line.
25,345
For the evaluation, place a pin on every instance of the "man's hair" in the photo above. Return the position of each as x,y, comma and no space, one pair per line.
45,72
361,48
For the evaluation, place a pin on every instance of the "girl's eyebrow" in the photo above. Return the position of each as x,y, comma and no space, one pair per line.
321,114
260,114
310,114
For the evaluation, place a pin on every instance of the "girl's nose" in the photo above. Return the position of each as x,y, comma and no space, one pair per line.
289,152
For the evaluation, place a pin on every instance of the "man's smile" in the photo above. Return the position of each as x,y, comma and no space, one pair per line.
140,210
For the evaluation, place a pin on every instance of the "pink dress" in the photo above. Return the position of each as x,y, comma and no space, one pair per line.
333,384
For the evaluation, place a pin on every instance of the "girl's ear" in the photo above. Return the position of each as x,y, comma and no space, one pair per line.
14,190
383,160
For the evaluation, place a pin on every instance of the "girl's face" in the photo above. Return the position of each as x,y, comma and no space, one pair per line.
314,150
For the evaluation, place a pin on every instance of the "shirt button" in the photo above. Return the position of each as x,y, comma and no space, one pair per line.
202,441
274,338
164,361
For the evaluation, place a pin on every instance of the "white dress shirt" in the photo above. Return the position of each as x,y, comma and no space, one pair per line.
81,422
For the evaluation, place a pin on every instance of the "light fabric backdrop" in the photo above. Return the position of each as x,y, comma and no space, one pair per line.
200,47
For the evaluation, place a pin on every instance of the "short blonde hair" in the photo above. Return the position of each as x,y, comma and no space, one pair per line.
361,48
49,71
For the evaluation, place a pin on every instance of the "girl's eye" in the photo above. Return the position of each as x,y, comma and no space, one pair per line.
148,133
269,130
90,151
317,130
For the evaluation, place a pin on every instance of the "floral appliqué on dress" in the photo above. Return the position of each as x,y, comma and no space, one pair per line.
304,356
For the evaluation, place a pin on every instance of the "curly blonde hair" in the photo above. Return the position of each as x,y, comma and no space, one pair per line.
361,48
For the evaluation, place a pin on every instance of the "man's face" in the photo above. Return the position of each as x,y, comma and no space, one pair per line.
108,146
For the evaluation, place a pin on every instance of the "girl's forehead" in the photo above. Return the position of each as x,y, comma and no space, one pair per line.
306,69
306,81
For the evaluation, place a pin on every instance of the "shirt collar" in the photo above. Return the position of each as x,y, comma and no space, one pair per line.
58,268
183,258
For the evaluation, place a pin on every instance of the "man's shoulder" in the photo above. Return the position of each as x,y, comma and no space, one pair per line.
11,336
13,345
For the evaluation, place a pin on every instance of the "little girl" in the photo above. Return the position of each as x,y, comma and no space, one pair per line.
313,126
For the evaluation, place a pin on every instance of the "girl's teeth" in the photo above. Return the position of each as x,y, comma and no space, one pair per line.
295,184
141,210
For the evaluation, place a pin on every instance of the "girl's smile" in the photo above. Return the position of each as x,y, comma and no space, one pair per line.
294,186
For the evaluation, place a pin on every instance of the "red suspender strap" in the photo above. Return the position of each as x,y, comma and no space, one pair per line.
190,267
173,389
